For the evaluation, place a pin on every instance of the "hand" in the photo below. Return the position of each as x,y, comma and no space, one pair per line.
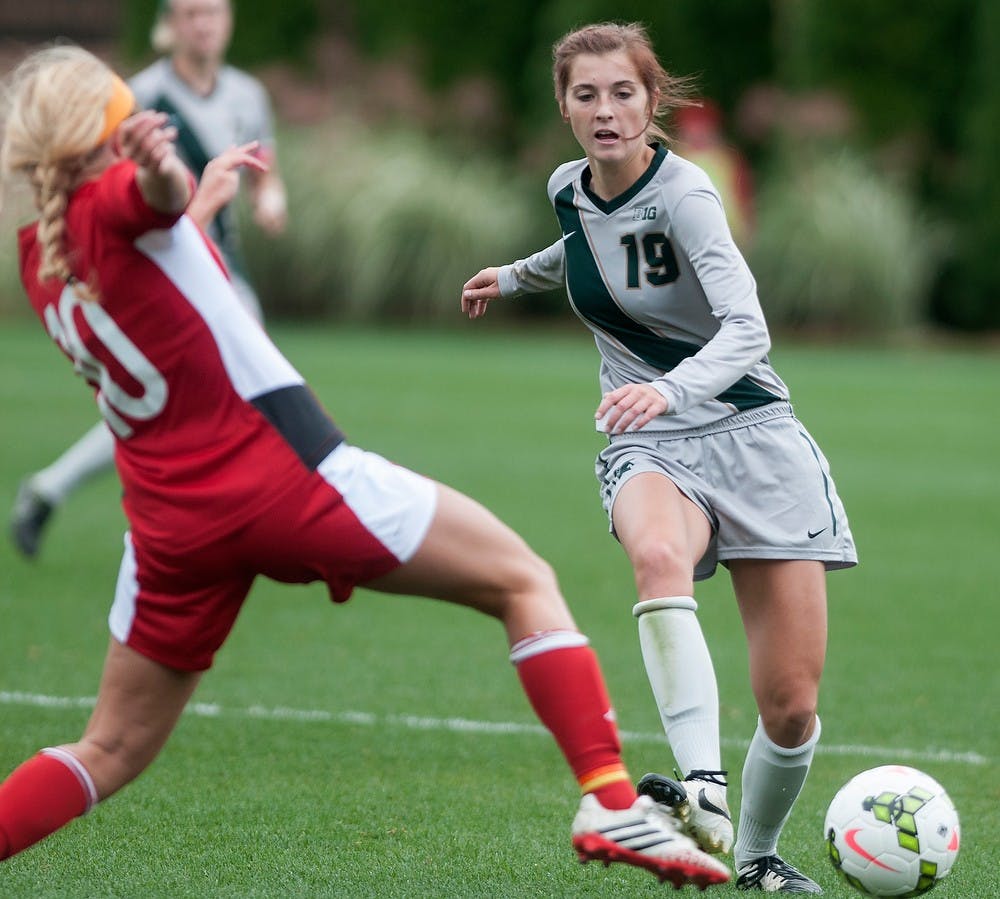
148,140
479,290
220,181
162,178
630,407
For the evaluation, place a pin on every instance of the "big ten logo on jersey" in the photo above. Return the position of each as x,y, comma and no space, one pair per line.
643,213
112,398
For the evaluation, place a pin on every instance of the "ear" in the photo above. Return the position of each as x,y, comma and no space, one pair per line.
563,111
654,102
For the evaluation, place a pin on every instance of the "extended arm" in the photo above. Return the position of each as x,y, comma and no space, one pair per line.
544,270
163,180
220,181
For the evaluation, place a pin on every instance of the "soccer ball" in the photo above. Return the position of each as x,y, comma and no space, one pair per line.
892,831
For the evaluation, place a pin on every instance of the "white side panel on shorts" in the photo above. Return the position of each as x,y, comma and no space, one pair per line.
127,589
395,504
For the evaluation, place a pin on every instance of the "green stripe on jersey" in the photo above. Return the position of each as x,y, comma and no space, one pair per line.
593,301
196,157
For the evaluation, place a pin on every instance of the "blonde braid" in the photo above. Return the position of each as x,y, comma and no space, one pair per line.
53,121
53,198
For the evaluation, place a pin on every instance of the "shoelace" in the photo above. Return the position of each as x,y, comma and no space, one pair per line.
713,777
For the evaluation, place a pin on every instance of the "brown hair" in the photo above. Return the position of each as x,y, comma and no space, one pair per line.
53,120
669,90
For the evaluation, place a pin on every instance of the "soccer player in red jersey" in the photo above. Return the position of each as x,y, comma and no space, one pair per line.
214,107
232,469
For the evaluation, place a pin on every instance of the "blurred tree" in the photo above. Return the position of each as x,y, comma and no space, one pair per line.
264,30
967,297
900,61
921,76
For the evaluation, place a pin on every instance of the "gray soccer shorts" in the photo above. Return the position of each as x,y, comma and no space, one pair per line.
758,476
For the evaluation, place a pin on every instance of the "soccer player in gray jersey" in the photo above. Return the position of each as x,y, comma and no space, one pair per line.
706,461
220,114
214,106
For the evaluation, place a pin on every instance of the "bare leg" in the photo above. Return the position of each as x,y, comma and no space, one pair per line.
664,535
471,558
138,704
783,604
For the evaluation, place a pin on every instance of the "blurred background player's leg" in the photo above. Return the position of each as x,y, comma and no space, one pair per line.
41,493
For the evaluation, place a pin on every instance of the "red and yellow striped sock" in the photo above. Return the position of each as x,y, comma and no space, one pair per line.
563,681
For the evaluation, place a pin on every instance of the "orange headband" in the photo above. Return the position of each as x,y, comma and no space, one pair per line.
118,109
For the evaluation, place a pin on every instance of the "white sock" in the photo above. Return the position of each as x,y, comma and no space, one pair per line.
681,674
772,780
92,453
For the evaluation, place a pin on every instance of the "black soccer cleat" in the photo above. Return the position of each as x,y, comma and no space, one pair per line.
770,874
662,789
699,801
27,522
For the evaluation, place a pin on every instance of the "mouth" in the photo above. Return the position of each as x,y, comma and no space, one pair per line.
605,136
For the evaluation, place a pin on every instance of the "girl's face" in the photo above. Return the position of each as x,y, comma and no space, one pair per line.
202,28
607,107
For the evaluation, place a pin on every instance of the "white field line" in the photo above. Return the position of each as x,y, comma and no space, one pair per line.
465,725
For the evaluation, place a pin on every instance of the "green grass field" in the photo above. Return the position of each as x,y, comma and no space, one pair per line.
384,748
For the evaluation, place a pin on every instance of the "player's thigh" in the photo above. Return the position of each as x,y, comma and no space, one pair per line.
783,607
469,556
658,526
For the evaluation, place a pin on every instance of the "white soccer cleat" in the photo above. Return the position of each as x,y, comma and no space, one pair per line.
699,801
647,836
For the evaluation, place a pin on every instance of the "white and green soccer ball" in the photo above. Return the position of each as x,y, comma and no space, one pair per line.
892,831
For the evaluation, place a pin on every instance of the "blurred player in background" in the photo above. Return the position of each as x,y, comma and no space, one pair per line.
214,107
700,139
706,461
232,470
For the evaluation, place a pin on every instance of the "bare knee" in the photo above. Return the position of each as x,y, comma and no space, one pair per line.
662,567
529,599
789,718
532,579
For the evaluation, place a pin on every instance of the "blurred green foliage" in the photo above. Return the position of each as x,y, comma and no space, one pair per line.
842,248
394,239
967,297
920,80
263,31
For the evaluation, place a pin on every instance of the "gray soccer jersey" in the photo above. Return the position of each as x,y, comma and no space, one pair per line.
657,278
235,112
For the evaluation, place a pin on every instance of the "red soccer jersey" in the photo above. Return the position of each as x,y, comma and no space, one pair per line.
213,424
